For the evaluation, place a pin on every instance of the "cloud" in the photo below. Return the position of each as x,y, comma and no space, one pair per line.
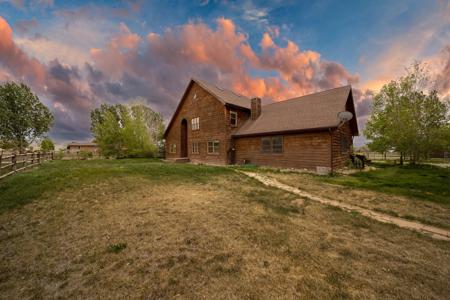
26,26
157,67
15,60
396,52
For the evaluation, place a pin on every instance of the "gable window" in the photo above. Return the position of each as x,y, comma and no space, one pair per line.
272,144
213,147
195,148
194,98
195,123
173,148
233,118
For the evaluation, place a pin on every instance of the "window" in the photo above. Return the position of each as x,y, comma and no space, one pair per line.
173,148
272,144
266,144
233,118
194,98
195,123
195,148
213,147
277,144
344,143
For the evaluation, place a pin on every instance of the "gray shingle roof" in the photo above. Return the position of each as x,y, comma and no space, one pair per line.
225,96
315,111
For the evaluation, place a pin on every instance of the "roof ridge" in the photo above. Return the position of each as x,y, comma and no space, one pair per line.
200,81
321,92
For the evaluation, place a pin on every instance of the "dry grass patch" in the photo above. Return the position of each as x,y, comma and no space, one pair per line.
228,237
431,213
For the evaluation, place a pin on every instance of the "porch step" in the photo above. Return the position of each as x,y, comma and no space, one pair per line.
181,160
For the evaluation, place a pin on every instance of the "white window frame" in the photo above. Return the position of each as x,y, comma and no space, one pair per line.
195,123
212,145
235,118
173,148
195,147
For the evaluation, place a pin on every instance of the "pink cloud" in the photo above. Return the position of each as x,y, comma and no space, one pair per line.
15,60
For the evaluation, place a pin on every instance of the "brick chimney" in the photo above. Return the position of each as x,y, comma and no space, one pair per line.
255,108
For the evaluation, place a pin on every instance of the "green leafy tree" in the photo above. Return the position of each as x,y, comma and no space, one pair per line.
23,117
47,145
407,119
126,131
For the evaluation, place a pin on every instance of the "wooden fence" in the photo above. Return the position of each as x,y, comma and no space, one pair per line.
11,163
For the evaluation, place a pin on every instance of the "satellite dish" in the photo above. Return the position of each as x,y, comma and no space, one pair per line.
345,116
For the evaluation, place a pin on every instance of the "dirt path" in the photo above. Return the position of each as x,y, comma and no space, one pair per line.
434,232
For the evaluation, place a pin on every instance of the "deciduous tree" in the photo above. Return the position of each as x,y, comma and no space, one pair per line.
126,131
408,116
23,117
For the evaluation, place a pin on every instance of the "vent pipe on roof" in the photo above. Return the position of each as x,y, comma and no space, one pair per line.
255,108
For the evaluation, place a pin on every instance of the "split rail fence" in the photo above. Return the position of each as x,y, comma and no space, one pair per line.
11,163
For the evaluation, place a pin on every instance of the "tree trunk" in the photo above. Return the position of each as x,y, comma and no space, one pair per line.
401,159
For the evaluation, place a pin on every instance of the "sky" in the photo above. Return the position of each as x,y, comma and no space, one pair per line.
76,55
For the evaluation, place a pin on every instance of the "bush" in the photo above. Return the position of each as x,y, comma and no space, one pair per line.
85,154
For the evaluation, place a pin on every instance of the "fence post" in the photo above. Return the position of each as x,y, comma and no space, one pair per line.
53,155
39,157
32,158
13,161
1,154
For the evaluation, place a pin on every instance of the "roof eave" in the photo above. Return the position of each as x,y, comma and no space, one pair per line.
291,131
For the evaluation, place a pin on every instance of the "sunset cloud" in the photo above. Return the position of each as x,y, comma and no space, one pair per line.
76,57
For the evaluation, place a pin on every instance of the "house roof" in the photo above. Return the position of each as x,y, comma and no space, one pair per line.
310,112
225,96
81,144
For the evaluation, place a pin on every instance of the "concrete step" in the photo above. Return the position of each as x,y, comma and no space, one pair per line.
181,160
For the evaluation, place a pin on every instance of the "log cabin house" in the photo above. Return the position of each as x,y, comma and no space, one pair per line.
217,126
74,148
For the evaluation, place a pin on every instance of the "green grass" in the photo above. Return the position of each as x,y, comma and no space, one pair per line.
422,182
55,176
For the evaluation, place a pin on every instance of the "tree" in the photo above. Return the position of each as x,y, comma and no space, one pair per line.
47,145
23,117
126,131
407,119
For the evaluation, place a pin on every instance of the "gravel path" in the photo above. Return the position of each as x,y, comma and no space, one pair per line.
432,231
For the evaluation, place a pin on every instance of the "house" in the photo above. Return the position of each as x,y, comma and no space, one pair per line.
217,126
74,148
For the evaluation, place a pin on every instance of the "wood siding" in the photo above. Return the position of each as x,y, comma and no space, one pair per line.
340,158
214,125
303,151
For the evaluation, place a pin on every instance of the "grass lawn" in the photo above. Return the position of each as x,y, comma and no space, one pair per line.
147,229
423,182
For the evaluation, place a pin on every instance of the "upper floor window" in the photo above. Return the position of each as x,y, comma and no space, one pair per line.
194,98
173,148
195,123
213,147
272,144
195,148
233,118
